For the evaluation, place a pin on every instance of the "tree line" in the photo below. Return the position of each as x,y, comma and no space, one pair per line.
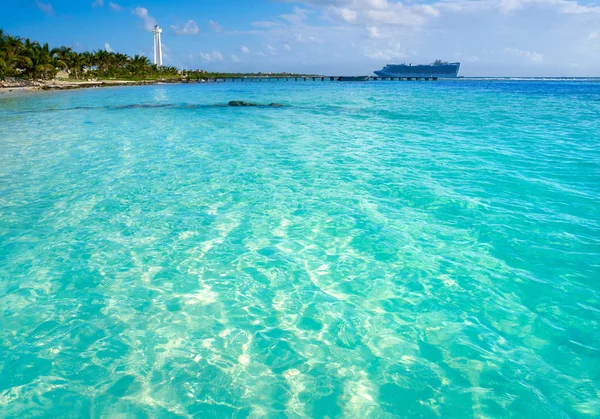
23,58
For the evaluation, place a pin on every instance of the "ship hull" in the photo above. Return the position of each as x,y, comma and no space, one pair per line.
415,75
446,70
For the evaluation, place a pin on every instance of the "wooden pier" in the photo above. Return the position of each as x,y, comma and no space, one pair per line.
299,78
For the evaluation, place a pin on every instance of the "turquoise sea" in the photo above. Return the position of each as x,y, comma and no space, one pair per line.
369,250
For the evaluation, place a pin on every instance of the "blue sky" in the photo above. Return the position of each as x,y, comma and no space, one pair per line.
490,37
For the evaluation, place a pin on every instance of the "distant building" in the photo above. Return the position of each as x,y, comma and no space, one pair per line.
157,46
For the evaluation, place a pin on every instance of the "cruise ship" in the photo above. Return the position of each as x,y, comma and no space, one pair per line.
438,68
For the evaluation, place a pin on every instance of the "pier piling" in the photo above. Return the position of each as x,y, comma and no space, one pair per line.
299,78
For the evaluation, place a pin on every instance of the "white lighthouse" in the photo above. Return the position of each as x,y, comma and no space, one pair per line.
157,46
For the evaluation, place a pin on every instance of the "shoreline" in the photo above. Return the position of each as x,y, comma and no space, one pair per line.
36,86
23,86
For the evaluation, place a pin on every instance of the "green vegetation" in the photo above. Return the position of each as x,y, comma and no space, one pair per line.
24,58
203,75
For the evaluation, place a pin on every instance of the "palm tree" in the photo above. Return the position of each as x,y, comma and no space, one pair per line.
12,54
40,60
11,45
60,58
62,55
3,66
102,59
77,63
27,58
59,64
138,65
121,60
28,44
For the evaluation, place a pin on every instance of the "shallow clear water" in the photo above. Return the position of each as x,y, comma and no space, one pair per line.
386,249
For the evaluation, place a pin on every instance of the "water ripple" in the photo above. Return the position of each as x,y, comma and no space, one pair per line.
373,250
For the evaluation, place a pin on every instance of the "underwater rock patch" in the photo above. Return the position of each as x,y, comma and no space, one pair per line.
242,103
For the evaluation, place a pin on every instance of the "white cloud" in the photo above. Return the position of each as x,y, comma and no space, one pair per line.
307,39
107,47
212,56
235,58
298,16
379,12
149,21
114,6
374,33
385,51
271,50
534,57
334,34
507,6
246,33
510,6
215,26
190,28
359,36
400,15
344,13
98,3
266,24
408,13
45,8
